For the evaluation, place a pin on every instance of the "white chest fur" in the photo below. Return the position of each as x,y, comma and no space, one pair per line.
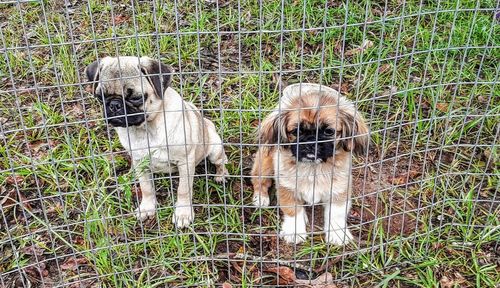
312,182
164,140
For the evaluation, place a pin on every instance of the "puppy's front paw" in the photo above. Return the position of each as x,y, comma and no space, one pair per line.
220,179
293,229
260,200
221,176
183,216
145,209
338,236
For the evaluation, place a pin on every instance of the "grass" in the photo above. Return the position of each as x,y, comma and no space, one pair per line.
426,216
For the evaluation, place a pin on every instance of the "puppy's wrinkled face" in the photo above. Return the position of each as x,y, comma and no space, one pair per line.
311,142
126,88
315,127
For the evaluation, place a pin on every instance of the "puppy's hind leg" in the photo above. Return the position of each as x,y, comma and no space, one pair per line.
262,172
216,153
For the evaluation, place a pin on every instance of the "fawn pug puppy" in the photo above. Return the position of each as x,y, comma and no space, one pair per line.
154,122
308,142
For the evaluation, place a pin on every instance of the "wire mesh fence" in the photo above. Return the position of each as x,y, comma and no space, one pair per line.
421,76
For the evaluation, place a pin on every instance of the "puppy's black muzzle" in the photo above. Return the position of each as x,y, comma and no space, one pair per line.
309,149
120,115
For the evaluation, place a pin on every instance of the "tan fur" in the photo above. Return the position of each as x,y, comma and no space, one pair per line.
263,167
287,201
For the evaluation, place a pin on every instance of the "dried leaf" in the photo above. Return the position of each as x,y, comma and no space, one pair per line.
482,99
38,271
338,47
343,88
120,18
443,107
8,199
73,263
405,178
25,202
79,240
32,250
77,110
226,285
11,198
446,282
324,280
391,91
384,68
366,45
136,190
14,179
55,207
285,274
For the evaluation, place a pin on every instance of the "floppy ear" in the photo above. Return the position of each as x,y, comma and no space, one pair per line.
273,127
354,132
158,75
92,72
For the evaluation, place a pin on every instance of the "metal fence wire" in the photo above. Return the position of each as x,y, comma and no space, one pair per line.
424,204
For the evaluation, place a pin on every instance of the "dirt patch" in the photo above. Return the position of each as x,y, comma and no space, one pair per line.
385,193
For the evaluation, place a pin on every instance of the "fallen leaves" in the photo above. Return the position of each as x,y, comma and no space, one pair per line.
14,179
39,271
39,149
404,178
452,281
342,88
72,263
32,250
10,198
285,275
120,19
443,107
136,190
324,280
267,273
384,68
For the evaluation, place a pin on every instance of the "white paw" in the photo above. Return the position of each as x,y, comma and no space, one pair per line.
221,178
145,209
293,238
183,216
221,172
260,200
338,236
293,228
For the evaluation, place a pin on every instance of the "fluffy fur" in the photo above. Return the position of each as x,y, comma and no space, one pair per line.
154,122
307,146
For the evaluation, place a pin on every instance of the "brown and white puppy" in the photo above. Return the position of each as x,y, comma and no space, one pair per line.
156,126
308,142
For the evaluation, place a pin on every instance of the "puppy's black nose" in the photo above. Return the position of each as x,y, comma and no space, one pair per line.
115,105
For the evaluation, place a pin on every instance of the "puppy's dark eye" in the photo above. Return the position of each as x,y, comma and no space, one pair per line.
329,132
294,131
137,99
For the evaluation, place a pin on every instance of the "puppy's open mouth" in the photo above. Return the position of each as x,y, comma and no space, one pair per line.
311,158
